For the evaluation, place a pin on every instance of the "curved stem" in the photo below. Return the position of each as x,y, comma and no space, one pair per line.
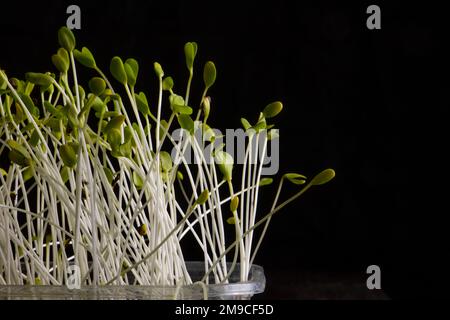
256,225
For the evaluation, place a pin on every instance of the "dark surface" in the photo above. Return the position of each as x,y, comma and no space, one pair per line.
373,105
317,285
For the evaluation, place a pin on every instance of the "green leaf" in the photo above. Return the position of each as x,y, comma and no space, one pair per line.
109,174
98,104
66,39
323,177
134,65
111,114
19,84
190,51
208,133
81,92
245,124
127,134
112,96
97,85
202,198
68,155
58,112
74,145
234,203
20,115
84,57
136,127
166,161
261,124
182,109
117,69
3,83
72,116
176,99
231,220
114,138
167,83
162,128
206,107
18,158
272,109
60,63
108,94
50,88
131,78
28,102
39,79
34,139
132,70
138,182
158,70
209,74
102,125
265,182
28,173
4,173
28,127
142,103
64,55
14,145
295,178
29,88
179,175
115,123
125,149
225,162
64,174
53,124
84,112
186,123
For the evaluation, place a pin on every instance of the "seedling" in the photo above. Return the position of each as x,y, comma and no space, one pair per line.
90,178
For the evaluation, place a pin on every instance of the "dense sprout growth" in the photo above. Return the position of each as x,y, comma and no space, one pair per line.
95,178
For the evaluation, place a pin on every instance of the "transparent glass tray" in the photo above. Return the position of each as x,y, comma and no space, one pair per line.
231,291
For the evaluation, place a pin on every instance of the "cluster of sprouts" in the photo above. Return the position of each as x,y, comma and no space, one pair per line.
87,179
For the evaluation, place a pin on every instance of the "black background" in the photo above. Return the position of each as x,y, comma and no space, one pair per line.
371,104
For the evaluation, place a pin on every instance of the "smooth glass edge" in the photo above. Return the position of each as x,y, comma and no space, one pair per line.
246,289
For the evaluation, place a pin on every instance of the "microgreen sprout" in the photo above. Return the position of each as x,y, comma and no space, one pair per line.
90,178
